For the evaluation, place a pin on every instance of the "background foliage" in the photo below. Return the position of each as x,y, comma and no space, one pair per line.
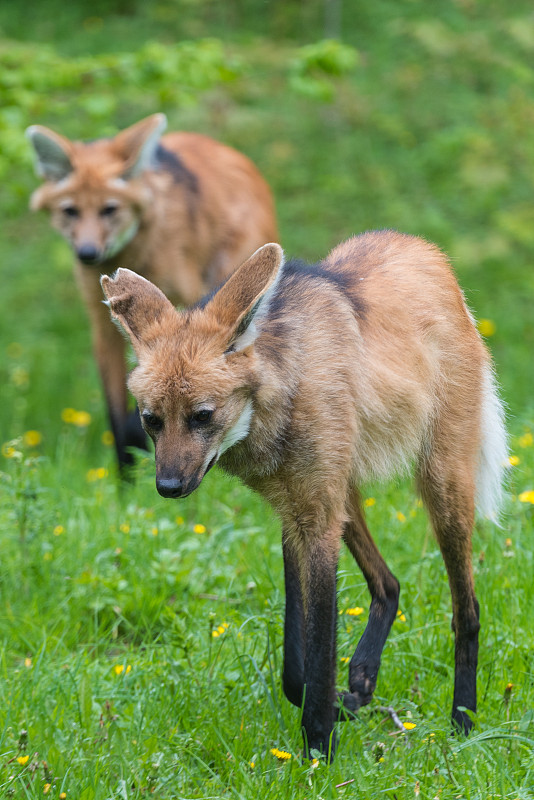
361,115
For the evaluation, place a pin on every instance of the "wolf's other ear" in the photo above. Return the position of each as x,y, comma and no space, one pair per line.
136,304
245,297
137,144
52,153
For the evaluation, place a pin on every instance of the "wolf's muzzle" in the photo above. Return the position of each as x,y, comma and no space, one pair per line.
169,487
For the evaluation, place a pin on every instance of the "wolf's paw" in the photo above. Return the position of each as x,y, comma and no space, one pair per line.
347,706
362,682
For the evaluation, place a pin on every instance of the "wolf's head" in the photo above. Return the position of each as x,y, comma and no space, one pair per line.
196,376
91,190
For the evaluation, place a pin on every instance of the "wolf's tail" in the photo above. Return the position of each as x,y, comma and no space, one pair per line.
493,456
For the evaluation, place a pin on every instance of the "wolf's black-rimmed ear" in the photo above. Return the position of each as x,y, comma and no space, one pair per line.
136,304
244,299
138,143
52,153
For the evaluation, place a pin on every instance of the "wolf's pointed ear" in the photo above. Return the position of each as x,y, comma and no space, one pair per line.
52,152
136,304
245,297
137,144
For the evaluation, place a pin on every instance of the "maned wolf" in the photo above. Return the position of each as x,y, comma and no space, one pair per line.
306,381
182,210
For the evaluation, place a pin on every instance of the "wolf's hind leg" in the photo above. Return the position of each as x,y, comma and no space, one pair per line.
384,590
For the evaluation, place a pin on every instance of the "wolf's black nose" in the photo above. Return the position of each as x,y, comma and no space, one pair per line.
88,253
169,487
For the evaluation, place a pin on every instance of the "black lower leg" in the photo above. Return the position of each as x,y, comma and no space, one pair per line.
466,658
127,432
450,502
294,645
365,663
135,435
319,711
384,590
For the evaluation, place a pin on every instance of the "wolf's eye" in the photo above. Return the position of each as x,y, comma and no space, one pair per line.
152,422
202,417
70,211
108,210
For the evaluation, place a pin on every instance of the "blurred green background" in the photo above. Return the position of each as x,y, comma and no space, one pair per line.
364,114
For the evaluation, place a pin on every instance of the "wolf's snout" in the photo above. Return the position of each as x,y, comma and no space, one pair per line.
169,487
88,253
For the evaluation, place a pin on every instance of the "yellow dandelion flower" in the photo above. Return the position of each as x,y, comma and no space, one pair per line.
20,377
199,528
119,669
8,451
32,438
282,755
252,764
46,788
486,327
124,527
215,634
345,659
154,531
23,760
381,759
354,612
514,461
508,542
409,725
527,497
179,520
401,517
96,474
68,415
369,501
27,662
400,616
63,796
81,419
58,530
107,438
526,440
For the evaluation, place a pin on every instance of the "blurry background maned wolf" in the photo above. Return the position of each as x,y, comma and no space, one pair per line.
183,211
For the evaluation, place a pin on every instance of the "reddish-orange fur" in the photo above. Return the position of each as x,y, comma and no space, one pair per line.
323,377
184,225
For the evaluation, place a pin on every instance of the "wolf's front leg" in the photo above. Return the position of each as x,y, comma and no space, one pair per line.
319,554
294,644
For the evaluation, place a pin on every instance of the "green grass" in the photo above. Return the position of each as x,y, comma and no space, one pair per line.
429,133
